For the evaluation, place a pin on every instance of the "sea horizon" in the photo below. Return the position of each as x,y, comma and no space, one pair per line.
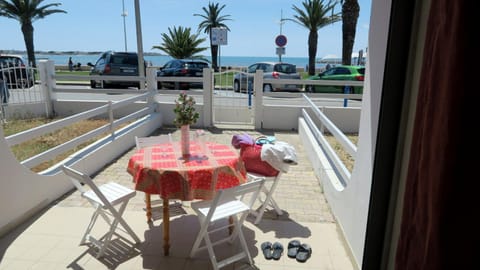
160,60
157,59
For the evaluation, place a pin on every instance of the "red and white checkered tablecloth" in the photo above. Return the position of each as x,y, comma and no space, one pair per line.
162,170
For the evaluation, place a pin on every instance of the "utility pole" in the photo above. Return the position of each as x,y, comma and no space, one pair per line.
141,61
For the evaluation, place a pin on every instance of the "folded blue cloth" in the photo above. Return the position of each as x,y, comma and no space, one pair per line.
265,140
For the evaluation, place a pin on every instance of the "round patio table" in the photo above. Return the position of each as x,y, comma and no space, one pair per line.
161,169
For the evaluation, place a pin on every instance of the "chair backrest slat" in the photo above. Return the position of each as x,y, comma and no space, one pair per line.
141,142
79,177
233,193
253,187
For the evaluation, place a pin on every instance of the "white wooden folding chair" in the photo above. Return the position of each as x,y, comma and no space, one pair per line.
227,204
268,192
142,142
109,201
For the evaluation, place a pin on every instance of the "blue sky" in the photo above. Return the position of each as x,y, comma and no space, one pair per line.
93,25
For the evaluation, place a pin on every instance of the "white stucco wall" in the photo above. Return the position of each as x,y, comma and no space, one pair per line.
350,205
23,192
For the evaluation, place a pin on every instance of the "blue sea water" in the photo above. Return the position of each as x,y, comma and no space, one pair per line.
160,60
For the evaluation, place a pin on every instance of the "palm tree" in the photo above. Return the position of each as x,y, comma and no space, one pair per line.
180,43
316,14
350,12
26,12
212,20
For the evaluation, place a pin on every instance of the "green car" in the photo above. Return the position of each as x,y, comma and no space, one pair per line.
343,73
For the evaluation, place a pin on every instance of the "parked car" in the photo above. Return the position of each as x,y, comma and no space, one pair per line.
113,63
343,73
271,70
14,73
182,68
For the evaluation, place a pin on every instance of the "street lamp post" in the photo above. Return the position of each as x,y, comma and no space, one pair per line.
124,14
282,20
281,50
141,63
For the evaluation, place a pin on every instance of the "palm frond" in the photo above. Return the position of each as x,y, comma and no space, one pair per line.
181,43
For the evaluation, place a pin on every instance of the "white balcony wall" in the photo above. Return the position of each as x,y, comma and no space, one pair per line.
23,192
350,205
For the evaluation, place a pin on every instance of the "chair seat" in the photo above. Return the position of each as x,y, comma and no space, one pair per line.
222,211
267,178
114,193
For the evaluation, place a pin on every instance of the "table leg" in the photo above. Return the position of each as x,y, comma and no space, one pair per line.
166,228
148,205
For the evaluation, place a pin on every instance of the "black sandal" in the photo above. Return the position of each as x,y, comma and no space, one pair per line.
293,248
277,250
304,252
267,250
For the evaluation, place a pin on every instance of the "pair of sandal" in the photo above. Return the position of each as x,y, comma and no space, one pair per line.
301,252
272,251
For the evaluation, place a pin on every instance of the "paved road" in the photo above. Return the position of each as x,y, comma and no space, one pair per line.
221,97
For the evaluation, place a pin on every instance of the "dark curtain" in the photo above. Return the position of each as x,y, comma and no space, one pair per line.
440,227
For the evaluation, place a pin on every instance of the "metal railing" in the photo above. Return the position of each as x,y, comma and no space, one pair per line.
48,128
348,146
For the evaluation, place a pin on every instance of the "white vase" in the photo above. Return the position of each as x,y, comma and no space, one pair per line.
185,140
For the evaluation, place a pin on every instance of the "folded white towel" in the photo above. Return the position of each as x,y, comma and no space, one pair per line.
279,155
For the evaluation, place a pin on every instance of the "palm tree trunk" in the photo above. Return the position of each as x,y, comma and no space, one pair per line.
312,51
214,51
27,30
350,12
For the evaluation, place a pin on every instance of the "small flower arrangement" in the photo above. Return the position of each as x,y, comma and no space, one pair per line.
185,110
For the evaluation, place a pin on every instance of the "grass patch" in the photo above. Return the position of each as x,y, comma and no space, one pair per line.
225,79
40,144
344,156
75,72
65,72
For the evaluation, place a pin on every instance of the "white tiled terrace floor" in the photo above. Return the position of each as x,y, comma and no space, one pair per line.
50,239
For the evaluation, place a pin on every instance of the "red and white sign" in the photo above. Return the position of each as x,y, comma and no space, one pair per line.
281,40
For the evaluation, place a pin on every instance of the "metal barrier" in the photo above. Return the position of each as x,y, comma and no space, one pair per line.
18,86
339,167
230,105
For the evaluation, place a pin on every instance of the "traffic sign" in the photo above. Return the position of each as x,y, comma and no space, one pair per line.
219,36
281,40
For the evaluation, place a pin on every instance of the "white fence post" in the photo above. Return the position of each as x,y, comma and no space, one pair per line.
151,78
110,117
151,84
47,74
258,92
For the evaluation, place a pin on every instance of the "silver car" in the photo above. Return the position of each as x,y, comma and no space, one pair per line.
271,70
